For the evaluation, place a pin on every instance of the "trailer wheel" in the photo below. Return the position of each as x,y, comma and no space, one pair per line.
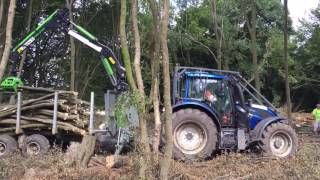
279,140
35,144
7,145
194,135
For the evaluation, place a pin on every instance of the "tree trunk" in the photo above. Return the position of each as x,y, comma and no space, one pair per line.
2,29
217,32
226,59
8,43
28,25
144,151
155,66
1,11
73,50
137,46
165,162
252,27
124,45
288,97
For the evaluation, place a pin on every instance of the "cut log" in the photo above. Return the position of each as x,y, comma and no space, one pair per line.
13,122
46,90
40,126
38,112
62,125
37,106
60,115
116,161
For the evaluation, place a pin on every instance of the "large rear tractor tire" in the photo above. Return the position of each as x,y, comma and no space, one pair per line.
279,140
35,144
194,135
8,145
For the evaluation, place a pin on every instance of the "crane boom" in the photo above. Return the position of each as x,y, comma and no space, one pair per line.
59,20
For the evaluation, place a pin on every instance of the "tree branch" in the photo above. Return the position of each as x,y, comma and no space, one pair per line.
203,45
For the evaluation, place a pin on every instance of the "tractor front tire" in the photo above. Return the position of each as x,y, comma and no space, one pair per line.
194,135
8,145
279,140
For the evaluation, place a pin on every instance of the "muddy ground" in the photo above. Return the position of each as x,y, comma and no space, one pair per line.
305,165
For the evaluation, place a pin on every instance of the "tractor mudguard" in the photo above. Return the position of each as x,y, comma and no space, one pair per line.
201,106
256,133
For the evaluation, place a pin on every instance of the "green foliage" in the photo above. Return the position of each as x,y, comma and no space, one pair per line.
124,101
191,34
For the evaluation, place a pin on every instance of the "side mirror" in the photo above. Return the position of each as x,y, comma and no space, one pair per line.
240,109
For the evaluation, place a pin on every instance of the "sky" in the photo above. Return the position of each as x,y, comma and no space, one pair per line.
299,9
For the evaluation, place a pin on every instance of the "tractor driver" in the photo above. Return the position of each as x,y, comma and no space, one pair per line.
216,94
209,94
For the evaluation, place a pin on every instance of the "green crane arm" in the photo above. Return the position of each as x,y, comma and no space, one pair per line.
59,19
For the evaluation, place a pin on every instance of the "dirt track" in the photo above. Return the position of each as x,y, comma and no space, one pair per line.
305,165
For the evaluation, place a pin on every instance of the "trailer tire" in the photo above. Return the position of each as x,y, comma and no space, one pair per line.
8,145
279,140
194,135
35,144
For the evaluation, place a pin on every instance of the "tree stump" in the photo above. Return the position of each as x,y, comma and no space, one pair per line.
85,151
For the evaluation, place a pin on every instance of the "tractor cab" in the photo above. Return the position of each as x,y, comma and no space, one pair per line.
231,99
196,87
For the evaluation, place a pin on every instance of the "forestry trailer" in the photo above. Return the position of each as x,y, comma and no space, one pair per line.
235,117
37,130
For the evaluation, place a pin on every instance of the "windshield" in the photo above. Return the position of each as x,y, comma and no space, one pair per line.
214,92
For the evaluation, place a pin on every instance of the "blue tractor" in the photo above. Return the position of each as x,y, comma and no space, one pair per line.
219,110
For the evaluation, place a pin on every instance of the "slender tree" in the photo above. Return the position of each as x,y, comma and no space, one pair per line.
155,67
8,43
28,25
144,145
165,162
1,11
137,47
124,45
285,32
1,21
252,27
72,49
217,32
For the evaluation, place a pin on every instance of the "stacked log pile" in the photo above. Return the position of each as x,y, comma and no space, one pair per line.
37,113
303,118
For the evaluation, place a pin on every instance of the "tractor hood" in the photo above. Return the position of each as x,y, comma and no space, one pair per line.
258,112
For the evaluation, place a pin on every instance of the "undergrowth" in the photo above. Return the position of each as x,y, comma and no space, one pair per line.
304,165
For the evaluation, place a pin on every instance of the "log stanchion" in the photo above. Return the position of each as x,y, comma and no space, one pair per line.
18,129
55,111
91,113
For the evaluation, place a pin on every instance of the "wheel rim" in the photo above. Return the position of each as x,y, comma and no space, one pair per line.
190,138
281,144
33,148
3,148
